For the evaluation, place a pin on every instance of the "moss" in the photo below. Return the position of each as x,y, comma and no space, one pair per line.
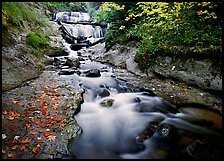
38,42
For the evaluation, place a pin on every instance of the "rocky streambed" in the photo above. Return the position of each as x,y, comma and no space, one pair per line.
80,108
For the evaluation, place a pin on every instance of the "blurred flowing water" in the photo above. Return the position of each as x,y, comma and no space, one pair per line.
120,120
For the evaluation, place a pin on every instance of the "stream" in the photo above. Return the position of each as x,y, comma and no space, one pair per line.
121,121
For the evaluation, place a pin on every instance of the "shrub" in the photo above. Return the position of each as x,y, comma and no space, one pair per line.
37,42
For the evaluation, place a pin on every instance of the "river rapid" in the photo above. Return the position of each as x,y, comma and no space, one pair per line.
122,121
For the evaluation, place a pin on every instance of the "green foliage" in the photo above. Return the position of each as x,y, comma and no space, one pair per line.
160,28
17,14
37,42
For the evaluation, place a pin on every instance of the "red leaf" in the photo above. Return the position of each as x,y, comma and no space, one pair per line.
41,141
35,150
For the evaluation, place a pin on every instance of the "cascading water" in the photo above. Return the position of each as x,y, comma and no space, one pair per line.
132,125
72,16
92,33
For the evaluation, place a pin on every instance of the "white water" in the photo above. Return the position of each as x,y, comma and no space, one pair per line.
110,132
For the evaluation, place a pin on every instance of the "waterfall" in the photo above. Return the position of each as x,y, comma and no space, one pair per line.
86,30
72,16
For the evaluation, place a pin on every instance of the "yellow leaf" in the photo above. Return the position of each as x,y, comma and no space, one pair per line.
3,151
11,155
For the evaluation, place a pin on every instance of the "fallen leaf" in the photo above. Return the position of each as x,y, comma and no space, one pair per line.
14,147
39,117
33,132
3,151
55,107
41,104
11,155
51,137
44,94
16,137
10,118
28,125
30,104
48,133
62,125
40,131
35,150
59,119
12,127
19,155
41,141
26,141
23,147
3,136
56,127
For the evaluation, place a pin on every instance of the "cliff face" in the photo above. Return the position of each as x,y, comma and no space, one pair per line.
203,74
18,62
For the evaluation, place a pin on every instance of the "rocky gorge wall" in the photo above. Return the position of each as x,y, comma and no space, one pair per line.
199,73
18,63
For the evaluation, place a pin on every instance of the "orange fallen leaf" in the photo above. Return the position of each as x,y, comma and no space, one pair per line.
41,141
14,147
64,120
44,94
59,119
47,113
35,150
26,141
41,104
22,147
47,133
40,131
56,127
39,117
48,117
11,155
33,132
62,125
10,118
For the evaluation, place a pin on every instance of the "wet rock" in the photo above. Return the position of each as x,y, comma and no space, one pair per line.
69,63
92,73
48,60
66,72
167,132
107,103
57,51
57,61
72,63
102,92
